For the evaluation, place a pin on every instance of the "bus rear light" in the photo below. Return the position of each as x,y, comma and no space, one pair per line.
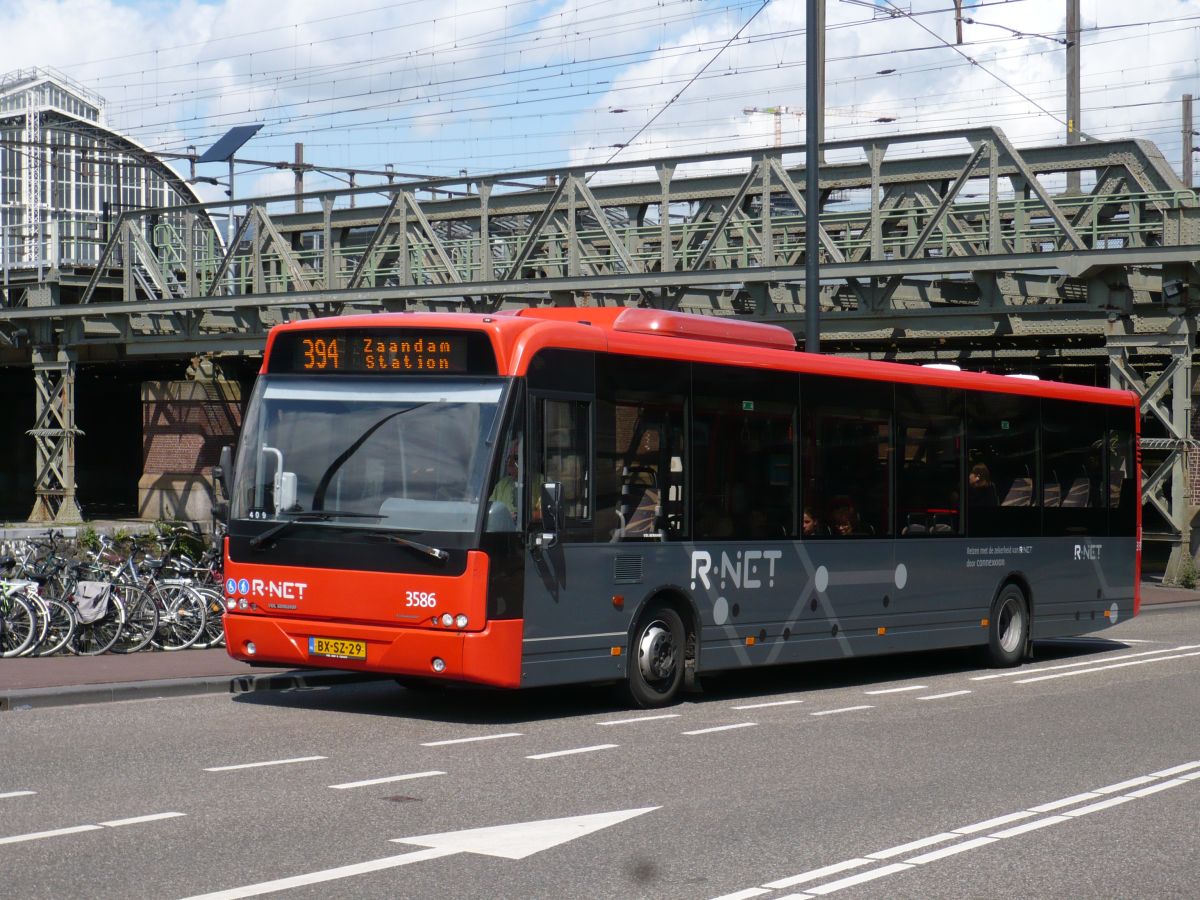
447,619
250,648
460,620
439,664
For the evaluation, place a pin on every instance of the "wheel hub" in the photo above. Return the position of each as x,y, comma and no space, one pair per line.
656,653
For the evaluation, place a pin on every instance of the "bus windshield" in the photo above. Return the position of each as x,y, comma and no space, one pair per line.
408,455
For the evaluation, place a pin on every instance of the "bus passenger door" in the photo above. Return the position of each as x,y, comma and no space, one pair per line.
560,440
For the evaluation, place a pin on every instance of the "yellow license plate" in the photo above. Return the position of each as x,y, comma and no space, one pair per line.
337,648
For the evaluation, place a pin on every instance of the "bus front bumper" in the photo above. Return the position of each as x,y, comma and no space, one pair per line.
491,656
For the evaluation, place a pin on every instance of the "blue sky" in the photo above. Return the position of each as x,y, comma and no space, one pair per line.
437,86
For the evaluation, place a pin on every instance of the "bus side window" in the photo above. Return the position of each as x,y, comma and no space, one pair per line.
1003,497
560,454
640,450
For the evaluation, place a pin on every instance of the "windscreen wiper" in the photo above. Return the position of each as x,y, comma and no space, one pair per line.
322,515
434,552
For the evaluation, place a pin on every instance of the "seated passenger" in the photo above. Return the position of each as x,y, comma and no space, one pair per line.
980,489
810,525
843,520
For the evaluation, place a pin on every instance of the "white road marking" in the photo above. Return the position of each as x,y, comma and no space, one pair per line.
1155,788
992,823
934,855
1096,807
1122,785
816,874
79,829
283,884
1029,826
639,719
1191,769
38,835
138,820
899,690
744,895
273,762
1136,662
1175,770
772,703
1066,801
943,696
572,752
1081,663
901,849
860,878
17,794
831,712
471,740
372,781
722,728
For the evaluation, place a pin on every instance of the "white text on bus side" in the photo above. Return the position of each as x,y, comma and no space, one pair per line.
742,570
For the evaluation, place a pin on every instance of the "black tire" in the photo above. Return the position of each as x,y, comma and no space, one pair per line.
1008,627
656,658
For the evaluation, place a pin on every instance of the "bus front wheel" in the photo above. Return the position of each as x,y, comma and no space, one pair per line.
656,658
1008,627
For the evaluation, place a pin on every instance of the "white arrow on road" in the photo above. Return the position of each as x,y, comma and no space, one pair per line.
508,841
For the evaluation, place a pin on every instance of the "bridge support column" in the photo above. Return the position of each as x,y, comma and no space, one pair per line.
54,434
1166,408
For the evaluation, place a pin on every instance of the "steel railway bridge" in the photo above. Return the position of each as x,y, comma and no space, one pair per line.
950,246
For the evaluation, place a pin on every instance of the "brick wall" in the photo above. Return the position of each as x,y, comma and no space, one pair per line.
184,426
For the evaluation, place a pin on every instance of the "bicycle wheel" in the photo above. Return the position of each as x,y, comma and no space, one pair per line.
141,619
60,629
214,619
41,621
181,617
18,625
94,638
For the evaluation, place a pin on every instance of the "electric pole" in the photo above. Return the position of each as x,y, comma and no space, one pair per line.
1189,132
814,90
1073,86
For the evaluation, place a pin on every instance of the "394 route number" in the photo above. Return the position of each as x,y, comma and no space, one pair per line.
420,599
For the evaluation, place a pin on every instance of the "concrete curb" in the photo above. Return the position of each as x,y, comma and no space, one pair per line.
75,695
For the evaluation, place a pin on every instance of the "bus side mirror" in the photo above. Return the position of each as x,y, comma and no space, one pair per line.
223,470
220,511
551,515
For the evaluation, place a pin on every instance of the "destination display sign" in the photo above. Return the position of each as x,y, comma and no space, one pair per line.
383,351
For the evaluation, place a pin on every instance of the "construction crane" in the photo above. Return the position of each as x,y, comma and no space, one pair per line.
777,112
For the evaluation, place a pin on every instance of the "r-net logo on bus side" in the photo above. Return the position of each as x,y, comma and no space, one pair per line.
745,570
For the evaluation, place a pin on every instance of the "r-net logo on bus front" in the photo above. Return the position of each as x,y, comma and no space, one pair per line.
745,570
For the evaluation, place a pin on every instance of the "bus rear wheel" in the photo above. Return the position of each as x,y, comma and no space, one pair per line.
656,658
1008,627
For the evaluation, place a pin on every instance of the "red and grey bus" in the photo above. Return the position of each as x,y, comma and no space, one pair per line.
586,495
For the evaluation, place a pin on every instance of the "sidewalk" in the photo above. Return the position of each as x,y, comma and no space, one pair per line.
70,680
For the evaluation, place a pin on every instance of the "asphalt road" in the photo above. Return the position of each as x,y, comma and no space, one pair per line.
1076,775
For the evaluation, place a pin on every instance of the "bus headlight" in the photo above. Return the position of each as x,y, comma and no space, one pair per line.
447,619
460,620
231,604
250,648
439,664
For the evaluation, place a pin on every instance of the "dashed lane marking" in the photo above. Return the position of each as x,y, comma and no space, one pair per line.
79,829
898,690
1147,785
1081,663
259,765
386,780
722,728
1136,662
772,703
471,740
943,696
17,794
572,752
834,712
637,719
